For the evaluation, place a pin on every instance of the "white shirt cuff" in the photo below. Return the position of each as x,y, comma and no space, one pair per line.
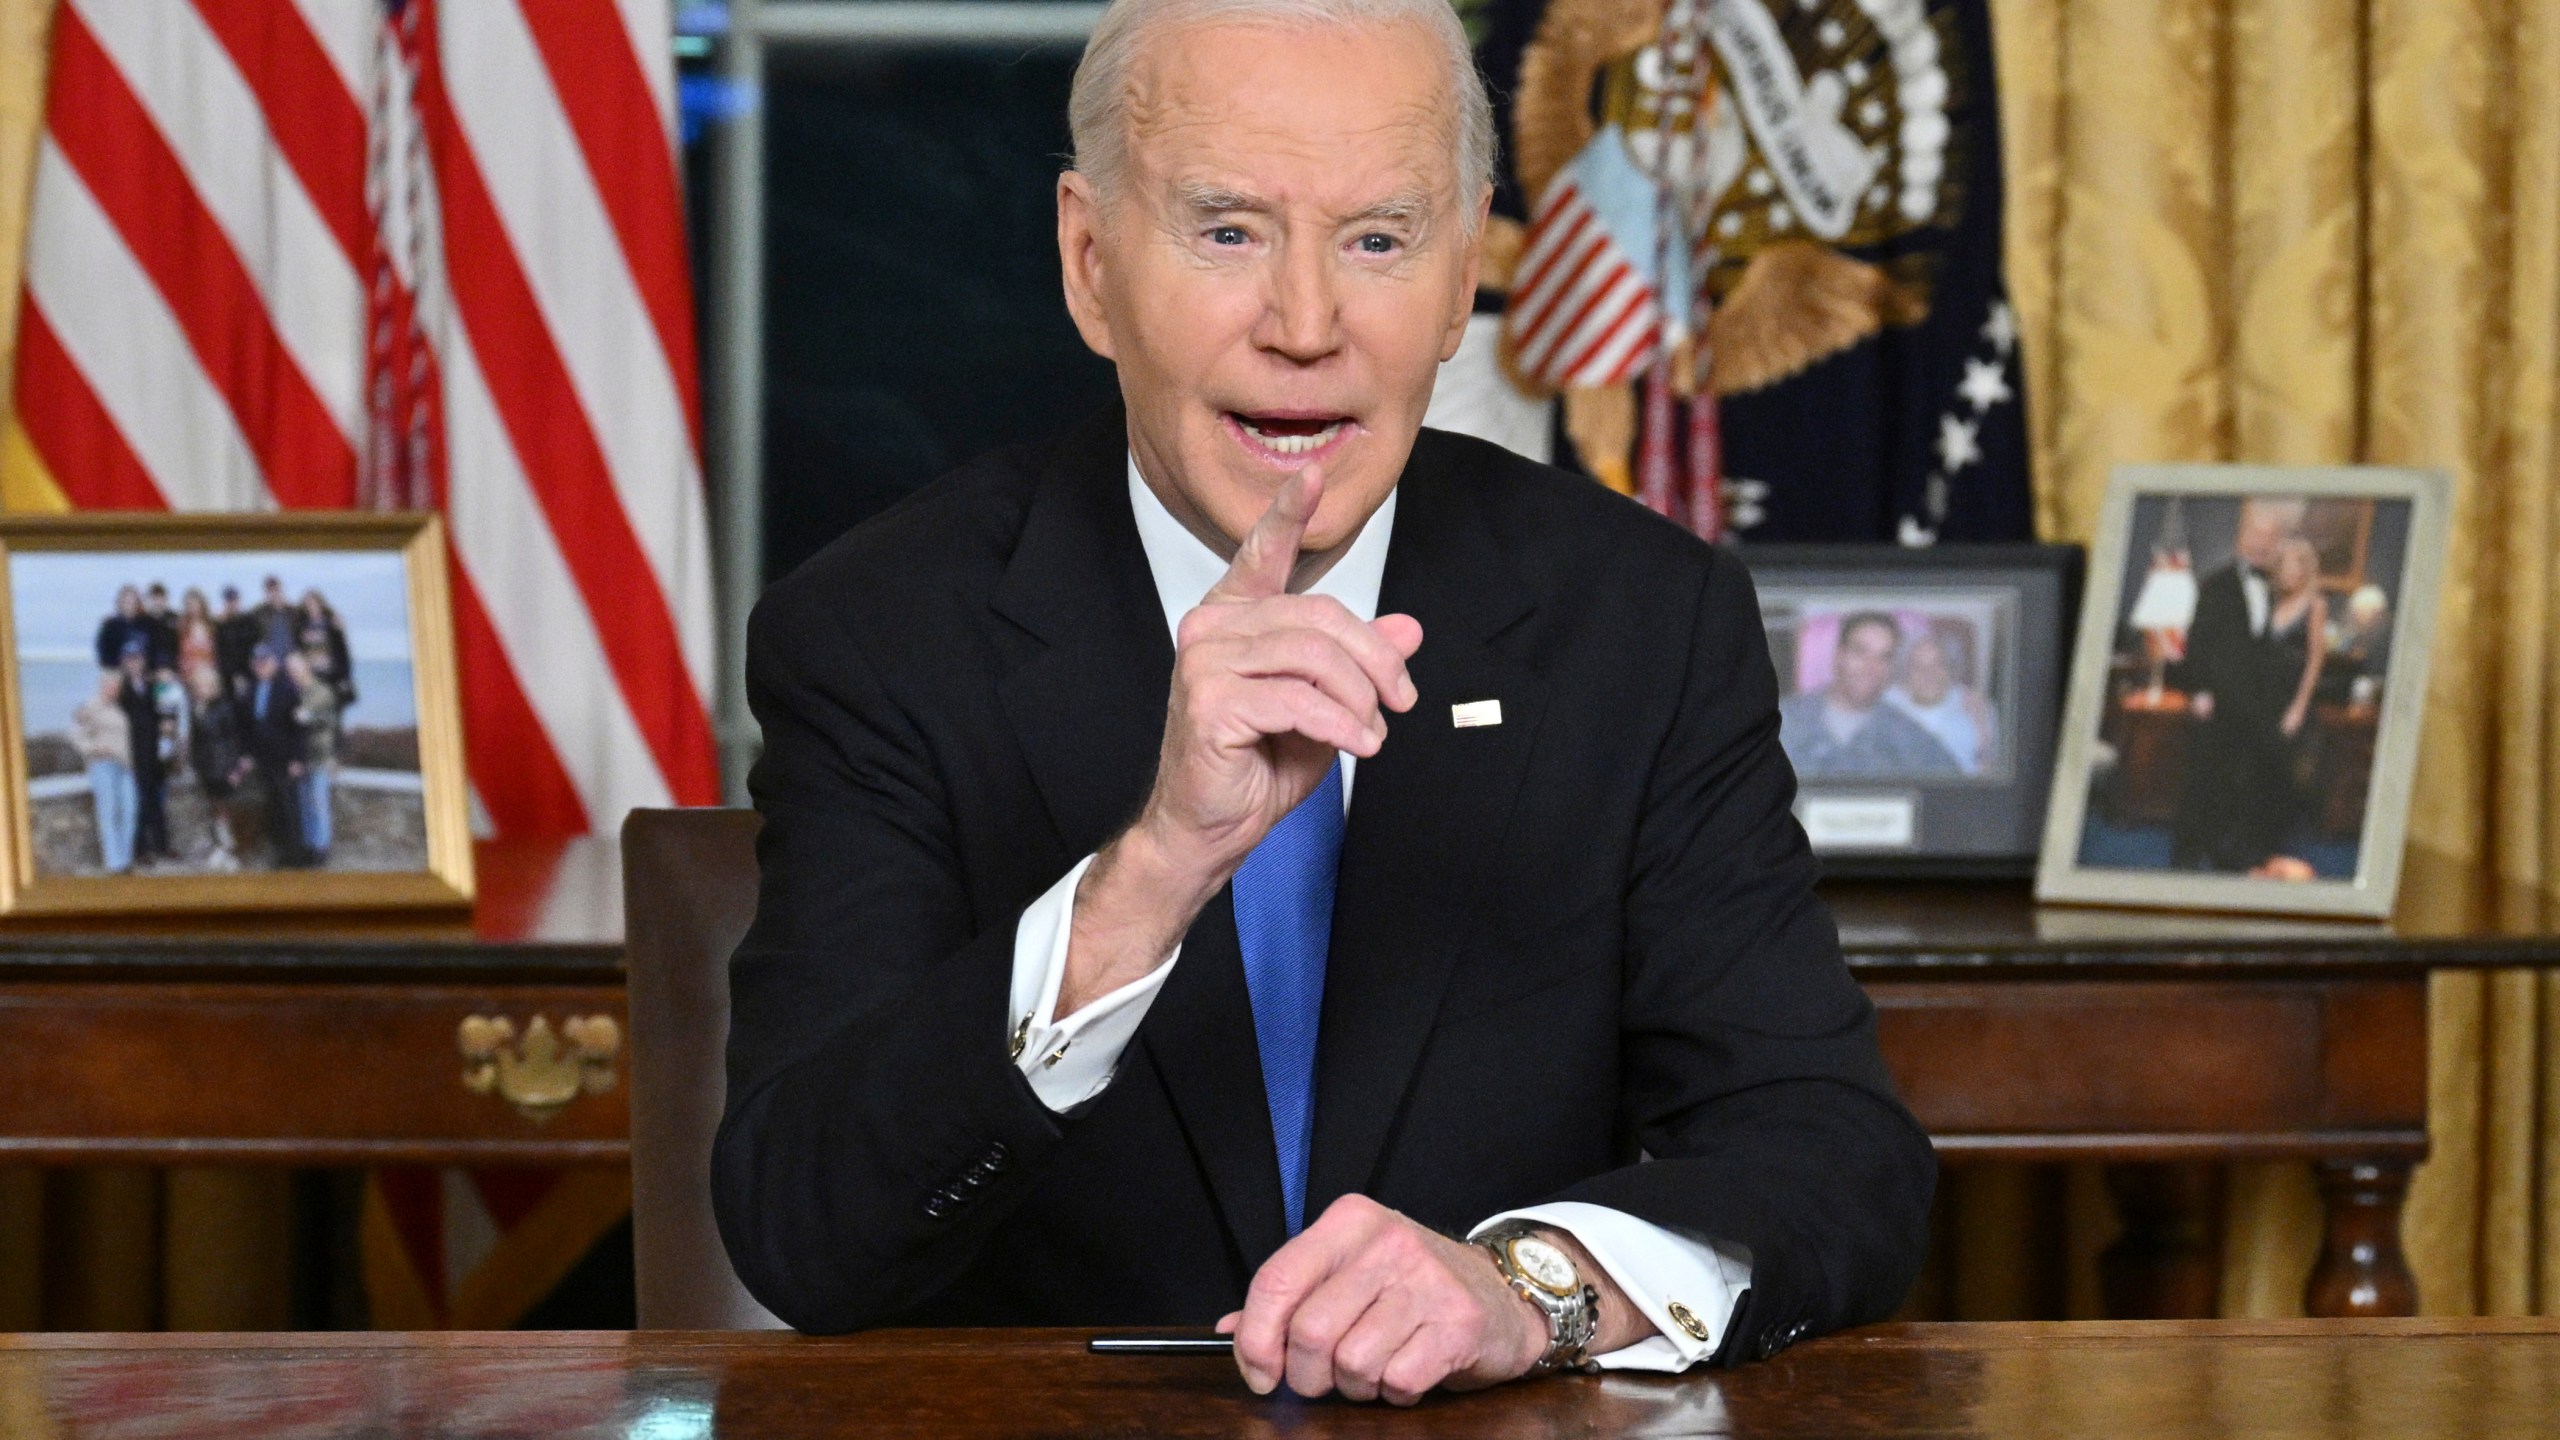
1657,1269
1068,1061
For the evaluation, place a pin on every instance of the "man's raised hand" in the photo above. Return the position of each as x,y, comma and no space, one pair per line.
1268,687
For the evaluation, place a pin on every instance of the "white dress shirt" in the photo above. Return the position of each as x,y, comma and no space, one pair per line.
1070,1061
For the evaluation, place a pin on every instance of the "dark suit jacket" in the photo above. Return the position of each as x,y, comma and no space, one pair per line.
2249,687
274,738
1582,935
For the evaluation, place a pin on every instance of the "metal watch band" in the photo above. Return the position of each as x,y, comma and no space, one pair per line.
1573,1321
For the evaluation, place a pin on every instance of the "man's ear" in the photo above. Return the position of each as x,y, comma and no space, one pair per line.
1080,260
1464,306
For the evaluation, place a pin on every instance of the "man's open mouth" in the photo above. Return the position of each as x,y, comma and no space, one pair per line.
1290,435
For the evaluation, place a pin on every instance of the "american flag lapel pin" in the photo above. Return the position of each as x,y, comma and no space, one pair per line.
1468,714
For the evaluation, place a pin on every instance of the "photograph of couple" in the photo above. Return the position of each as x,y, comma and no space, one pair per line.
218,712
2252,646
1888,687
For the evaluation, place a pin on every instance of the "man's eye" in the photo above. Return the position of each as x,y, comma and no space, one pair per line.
1375,244
1227,235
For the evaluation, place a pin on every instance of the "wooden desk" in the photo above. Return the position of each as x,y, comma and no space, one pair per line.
2476,1380
310,1040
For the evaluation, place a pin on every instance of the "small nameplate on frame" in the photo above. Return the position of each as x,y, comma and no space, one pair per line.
1468,714
1860,822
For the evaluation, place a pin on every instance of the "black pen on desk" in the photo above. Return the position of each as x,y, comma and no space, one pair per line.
1162,1342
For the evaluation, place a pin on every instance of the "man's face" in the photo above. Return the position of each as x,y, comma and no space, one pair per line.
1928,675
275,593
263,666
1285,264
156,603
2263,531
1862,666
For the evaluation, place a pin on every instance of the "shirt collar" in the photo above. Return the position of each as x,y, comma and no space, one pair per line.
1184,568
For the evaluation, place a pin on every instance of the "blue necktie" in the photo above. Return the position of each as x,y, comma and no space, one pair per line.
1284,921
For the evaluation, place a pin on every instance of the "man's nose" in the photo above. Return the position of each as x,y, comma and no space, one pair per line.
1300,321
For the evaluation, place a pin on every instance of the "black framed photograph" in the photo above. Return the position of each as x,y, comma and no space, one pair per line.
1918,691
2243,723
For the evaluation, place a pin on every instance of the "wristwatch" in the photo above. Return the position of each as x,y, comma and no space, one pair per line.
1541,1273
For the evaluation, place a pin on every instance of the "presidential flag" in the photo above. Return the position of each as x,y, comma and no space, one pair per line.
1754,251
404,254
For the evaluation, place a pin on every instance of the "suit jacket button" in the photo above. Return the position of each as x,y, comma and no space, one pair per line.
995,1157
940,1204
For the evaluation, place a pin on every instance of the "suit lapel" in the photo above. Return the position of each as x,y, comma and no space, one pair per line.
1428,814
1087,707
1086,704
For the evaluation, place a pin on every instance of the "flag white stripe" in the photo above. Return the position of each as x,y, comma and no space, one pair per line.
1547,306
207,114
582,285
1567,206
652,30
1563,272
346,31
125,341
1548,345
1605,363
506,545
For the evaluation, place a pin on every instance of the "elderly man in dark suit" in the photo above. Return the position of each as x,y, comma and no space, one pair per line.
2232,802
1257,862
273,741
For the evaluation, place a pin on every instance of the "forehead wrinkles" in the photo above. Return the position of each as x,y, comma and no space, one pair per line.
1184,121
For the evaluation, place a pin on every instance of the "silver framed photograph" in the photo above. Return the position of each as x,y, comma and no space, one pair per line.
2242,728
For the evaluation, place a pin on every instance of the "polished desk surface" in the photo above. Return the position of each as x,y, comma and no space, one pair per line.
2473,1379
546,910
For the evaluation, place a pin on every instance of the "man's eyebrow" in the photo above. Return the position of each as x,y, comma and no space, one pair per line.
1205,199
1405,207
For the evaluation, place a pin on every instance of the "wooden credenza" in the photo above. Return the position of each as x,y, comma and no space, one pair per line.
317,1041
2157,1043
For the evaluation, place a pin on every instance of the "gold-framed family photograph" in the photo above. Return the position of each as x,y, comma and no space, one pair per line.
2242,728
229,712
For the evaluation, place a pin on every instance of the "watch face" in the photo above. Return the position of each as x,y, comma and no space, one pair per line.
1543,1265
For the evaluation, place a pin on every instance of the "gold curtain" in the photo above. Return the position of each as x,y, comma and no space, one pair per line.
2302,231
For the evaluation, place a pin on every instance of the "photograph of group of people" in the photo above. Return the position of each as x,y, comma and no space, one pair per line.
218,712
2252,647
1888,687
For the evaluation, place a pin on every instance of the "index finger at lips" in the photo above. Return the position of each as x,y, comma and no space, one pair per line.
1269,551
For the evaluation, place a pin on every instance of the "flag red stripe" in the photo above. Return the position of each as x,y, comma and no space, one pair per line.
105,134
1582,216
1637,355
74,434
1626,314
1569,262
614,114
513,767
316,122
1573,325
551,433
1535,336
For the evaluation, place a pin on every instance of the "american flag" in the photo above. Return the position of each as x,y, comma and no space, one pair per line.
395,253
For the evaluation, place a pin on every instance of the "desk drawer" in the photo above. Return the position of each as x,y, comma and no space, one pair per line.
312,1074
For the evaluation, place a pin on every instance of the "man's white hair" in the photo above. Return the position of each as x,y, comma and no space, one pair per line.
1097,105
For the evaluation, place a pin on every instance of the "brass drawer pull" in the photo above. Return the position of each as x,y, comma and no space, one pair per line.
547,1069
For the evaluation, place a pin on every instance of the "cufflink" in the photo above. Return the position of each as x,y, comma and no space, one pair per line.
1021,1037
1469,714
1687,1319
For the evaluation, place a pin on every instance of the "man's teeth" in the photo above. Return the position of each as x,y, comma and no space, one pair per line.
1293,444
